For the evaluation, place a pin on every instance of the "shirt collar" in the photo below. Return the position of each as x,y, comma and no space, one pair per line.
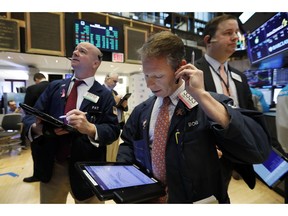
174,97
214,63
88,81
110,89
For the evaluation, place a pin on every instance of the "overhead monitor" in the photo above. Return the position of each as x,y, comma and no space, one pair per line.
102,36
269,39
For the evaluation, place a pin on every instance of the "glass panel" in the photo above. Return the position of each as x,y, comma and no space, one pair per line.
7,87
18,84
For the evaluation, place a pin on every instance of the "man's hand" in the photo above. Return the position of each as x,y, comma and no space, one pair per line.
117,98
37,127
77,119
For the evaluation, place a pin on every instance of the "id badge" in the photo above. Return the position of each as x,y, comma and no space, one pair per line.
187,99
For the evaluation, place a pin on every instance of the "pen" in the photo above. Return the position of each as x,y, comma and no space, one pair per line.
193,57
64,116
176,137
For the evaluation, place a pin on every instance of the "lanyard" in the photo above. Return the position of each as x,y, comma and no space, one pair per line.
221,79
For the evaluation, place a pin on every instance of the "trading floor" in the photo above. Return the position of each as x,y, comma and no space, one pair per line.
14,167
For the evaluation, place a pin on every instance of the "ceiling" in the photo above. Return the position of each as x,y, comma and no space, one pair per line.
12,60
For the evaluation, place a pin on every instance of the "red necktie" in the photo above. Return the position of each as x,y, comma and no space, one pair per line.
64,148
159,143
72,98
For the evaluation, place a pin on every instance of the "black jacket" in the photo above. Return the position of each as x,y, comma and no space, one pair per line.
33,92
193,170
245,101
52,102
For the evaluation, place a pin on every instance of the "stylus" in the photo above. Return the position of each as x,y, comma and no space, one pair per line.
64,116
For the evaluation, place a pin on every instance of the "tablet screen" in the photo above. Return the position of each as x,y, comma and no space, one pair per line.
122,182
273,169
114,177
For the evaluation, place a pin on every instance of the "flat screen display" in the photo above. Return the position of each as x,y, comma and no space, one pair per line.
122,182
267,94
269,39
259,78
102,36
114,177
68,76
280,77
273,169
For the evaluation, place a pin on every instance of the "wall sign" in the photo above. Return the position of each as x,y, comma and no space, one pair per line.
9,35
45,33
134,39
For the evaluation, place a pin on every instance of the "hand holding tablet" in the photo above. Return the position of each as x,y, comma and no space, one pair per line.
47,118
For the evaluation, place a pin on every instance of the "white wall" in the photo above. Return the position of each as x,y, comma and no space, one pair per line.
13,74
139,90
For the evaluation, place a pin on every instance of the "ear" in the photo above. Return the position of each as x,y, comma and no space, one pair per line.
207,39
183,62
96,64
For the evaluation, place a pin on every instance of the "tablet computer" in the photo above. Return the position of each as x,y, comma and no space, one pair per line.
273,170
126,97
122,182
47,118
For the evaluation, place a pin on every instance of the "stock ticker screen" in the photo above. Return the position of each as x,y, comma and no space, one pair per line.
269,39
102,36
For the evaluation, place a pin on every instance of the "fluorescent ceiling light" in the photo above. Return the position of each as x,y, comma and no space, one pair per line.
245,16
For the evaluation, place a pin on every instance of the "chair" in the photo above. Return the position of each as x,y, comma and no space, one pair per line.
10,133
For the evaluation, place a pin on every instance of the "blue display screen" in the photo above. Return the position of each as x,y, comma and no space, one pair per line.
269,39
259,78
114,177
102,36
272,169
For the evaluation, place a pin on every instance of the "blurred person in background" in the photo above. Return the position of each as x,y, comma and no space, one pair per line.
33,92
282,127
110,82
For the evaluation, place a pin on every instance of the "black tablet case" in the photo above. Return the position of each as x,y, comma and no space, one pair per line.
47,118
126,97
